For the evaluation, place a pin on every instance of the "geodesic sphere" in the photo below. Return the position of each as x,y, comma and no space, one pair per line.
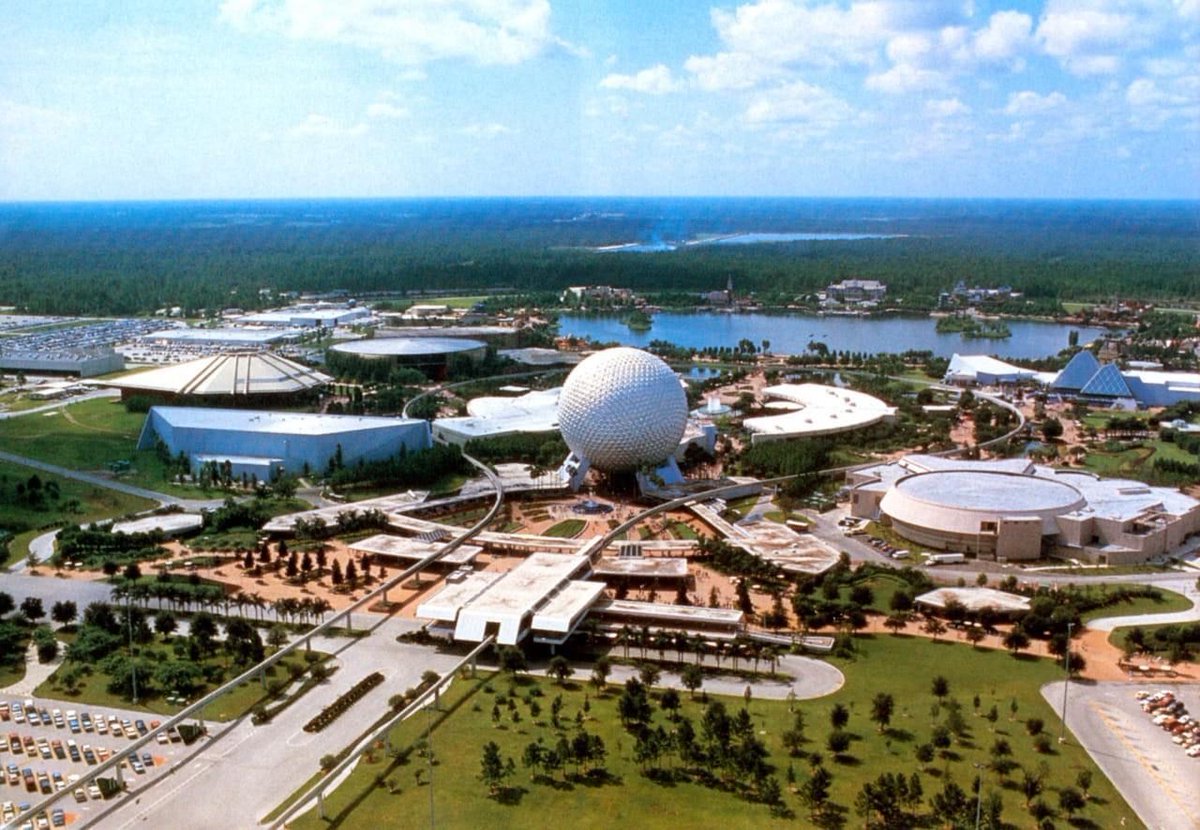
622,408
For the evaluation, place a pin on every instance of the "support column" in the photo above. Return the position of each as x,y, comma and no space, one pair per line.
321,804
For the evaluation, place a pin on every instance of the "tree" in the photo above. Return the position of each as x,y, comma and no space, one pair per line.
511,659
31,608
6,603
64,613
814,792
1084,782
924,754
132,572
1071,801
649,674
934,627
896,622
838,741
164,623
975,635
793,739
1052,429
601,669
692,677
669,702
560,668
493,769
1016,639
839,716
881,710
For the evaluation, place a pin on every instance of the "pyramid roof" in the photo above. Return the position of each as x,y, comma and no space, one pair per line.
1075,375
1107,383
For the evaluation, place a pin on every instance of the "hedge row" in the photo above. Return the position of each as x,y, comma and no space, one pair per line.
336,709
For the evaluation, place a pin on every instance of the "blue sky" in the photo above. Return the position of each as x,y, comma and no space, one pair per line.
129,99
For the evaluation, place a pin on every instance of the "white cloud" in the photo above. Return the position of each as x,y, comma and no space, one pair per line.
322,126
387,108
1007,35
798,102
657,80
1089,37
1028,102
489,130
785,32
28,119
946,108
905,77
407,31
730,70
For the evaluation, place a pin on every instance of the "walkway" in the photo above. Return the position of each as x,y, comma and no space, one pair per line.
36,672
1180,585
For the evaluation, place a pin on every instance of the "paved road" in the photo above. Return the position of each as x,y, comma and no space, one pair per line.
250,769
1153,774
804,677
98,393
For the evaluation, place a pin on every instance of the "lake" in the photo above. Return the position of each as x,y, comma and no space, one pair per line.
791,333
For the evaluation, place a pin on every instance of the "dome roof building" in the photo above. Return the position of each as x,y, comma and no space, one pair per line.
622,409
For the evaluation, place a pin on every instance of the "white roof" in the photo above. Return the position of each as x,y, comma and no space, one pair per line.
972,365
226,374
663,567
532,412
404,547
516,595
282,423
975,599
222,335
822,410
677,614
168,523
565,608
446,603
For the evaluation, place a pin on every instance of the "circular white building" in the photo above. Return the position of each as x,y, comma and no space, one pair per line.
967,509
621,409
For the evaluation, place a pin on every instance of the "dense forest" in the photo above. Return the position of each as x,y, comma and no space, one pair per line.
130,258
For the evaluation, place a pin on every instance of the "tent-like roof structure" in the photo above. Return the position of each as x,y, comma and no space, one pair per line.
231,374
1076,374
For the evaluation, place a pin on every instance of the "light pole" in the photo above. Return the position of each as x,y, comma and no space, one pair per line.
978,792
132,657
1062,734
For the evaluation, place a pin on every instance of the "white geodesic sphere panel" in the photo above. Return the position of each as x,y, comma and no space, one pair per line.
621,408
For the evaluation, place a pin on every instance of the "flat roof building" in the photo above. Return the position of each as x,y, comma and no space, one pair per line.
265,443
817,410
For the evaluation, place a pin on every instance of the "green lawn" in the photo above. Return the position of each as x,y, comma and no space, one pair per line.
88,436
1170,603
84,503
92,691
566,529
902,666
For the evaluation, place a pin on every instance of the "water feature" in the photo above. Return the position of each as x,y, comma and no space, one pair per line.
791,333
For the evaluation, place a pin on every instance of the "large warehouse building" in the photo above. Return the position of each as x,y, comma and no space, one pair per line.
1014,510
264,443
239,379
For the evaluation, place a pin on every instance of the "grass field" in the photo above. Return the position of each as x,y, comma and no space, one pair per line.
93,503
1170,603
92,691
89,435
901,666
566,529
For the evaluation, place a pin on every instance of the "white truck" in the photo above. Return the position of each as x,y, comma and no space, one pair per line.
945,558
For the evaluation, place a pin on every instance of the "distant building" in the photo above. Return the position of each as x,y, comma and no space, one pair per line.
1013,509
240,379
1086,379
856,291
982,370
85,363
262,443
600,293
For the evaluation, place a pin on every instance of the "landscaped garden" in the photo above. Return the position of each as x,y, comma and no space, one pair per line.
899,745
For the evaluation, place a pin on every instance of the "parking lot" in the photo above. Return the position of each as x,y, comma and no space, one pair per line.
49,745
1154,774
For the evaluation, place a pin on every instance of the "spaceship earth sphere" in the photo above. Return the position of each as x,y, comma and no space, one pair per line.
622,408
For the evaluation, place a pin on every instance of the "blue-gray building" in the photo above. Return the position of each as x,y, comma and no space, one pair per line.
262,443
